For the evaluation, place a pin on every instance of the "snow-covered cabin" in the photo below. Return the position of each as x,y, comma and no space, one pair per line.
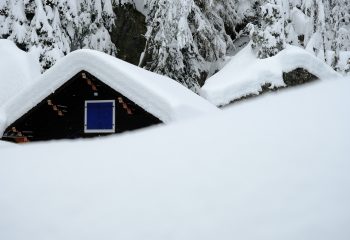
88,93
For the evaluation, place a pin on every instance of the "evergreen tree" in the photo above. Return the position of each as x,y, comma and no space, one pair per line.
186,38
215,28
268,36
339,32
315,10
170,42
42,36
94,23
67,12
13,22
54,27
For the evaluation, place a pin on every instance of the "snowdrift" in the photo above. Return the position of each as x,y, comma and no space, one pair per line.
18,70
161,96
273,168
245,74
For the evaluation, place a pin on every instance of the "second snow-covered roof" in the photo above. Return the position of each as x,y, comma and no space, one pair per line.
159,95
245,74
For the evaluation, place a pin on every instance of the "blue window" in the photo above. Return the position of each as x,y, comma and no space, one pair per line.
100,116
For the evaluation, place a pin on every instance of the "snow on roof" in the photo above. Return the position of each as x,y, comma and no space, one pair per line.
276,167
159,95
245,74
18,69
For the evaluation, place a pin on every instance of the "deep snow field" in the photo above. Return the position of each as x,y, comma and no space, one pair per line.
274,167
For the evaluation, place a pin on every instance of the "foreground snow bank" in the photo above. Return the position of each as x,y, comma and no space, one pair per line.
5,144
245,74
276,167
18,69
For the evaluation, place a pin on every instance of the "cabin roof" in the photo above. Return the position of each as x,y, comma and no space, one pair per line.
159,95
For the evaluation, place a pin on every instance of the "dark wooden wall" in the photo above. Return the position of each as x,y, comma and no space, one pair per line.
61,114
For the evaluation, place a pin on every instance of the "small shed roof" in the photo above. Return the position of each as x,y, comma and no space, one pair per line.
245,74
159,95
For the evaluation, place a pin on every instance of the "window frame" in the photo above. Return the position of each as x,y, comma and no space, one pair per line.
86,130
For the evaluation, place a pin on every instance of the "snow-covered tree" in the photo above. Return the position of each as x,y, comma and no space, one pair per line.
43,35
326,31
56,27
315,10
319,26
268,36
13,22
94,23
186,38
338,30
170,42
214,28
67,12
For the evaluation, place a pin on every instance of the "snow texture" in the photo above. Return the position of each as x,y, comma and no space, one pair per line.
159,95
272,168
245,74
140,6
4,144
18,70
